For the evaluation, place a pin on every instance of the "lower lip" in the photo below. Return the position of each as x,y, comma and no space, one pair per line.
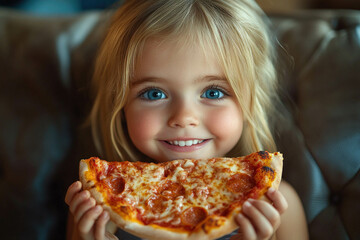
185,148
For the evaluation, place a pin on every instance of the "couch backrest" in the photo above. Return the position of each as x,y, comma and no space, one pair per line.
321,138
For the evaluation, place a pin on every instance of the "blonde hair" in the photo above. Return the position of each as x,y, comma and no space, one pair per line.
235,30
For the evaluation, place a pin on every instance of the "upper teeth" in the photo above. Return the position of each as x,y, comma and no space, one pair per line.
187,143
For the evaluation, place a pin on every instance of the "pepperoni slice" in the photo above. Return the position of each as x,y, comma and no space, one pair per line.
116,184
171,190
155,203
193,216
240,182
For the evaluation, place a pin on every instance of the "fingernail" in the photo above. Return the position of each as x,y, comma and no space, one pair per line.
87,193
247,204
76,184
271,190
251,200
105,215
97,208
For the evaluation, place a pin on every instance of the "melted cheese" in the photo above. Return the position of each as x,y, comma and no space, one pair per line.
204,184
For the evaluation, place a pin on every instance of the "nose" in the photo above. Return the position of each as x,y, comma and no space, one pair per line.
183,115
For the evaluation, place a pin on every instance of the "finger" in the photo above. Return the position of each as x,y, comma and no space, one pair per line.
268,211
110,236
87,221
262,226
246,229
100,225
83,207
72,190
278,200
78,199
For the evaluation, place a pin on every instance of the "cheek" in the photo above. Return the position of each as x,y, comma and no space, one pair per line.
227,124
142,125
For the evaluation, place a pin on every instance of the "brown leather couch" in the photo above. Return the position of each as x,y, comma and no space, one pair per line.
45,68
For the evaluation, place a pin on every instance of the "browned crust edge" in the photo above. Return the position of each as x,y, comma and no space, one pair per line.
277,166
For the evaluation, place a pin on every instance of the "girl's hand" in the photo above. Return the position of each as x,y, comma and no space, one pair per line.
260,219
90,219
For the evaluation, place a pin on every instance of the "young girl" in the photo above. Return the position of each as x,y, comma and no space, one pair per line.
187,79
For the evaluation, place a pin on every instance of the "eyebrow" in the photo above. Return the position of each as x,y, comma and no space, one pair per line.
212,78
145,80
140,81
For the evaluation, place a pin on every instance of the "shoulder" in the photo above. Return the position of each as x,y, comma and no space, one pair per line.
291,197
293,220
287,190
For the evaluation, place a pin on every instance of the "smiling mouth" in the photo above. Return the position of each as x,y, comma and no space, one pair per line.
187,143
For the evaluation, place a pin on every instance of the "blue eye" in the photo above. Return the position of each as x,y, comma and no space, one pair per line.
153,94
213,93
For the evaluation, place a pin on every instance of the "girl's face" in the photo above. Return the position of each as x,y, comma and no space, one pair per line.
180,104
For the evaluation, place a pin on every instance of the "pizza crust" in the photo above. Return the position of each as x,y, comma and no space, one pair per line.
89,184
154,232
159,233
277,166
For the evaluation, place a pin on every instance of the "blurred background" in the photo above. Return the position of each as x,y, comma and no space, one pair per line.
61,7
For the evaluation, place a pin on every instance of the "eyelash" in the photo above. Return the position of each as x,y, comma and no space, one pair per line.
217,87
143,91
214,86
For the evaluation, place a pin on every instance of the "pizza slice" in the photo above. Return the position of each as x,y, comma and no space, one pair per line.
180,199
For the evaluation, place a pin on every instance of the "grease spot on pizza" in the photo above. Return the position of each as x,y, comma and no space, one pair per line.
125,210
240,182
193,216
212,223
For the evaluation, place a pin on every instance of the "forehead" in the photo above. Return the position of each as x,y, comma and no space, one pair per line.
178,46
163,57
